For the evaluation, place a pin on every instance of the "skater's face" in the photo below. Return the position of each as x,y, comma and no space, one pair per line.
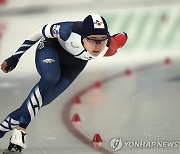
95,44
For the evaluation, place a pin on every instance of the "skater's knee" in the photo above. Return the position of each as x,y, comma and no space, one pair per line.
50,79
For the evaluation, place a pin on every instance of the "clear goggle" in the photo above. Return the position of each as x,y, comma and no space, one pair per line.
94,42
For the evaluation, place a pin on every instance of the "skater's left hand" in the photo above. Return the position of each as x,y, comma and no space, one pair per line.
9,64
3,67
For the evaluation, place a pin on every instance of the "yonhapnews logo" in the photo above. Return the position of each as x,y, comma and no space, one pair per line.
117,143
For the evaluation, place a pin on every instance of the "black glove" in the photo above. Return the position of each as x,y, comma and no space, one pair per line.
11,63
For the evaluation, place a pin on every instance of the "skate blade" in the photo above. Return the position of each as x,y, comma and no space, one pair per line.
11,152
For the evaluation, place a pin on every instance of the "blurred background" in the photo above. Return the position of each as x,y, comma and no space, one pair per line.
153,26
147,104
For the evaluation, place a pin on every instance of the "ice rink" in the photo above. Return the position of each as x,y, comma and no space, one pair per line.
141,104
132,97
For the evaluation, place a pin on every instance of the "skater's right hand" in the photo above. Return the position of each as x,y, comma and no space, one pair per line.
117,41
9,64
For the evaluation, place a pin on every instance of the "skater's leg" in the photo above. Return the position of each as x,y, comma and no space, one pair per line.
8,124
69,75
62,84
50,73
47,63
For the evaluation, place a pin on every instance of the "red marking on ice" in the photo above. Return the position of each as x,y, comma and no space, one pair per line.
128,72
167,61
76,100
97,84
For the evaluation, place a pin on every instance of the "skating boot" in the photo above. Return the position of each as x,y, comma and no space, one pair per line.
17,141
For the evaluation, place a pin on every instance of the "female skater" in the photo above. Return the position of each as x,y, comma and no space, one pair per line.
62,53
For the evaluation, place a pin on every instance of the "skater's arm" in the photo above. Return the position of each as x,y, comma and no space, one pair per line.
45,31
116,41
10,63
29,42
